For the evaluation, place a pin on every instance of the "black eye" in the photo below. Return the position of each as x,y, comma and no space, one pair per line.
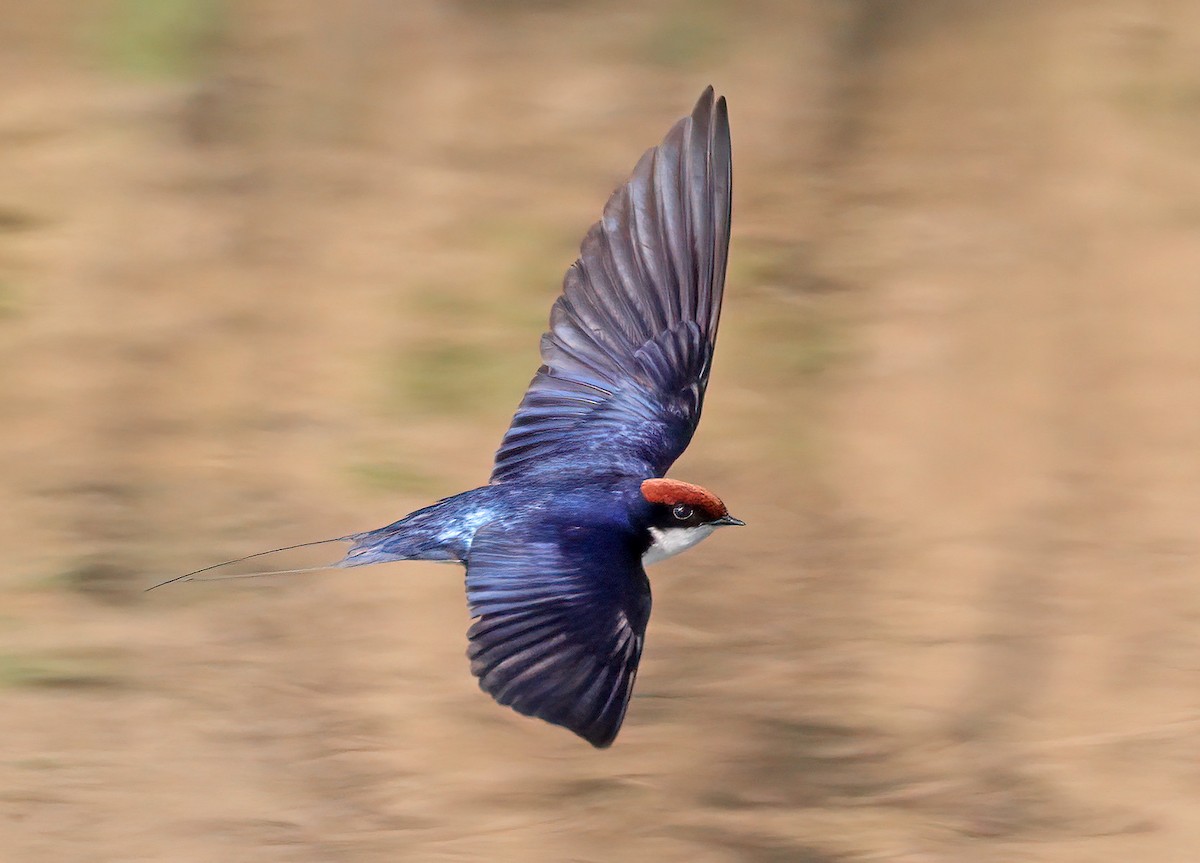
682,511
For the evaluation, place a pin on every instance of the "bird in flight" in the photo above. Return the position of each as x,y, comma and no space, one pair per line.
577,505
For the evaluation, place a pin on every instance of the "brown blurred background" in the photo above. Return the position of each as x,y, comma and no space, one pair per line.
276,271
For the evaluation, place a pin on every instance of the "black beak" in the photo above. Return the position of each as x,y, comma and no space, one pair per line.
729,520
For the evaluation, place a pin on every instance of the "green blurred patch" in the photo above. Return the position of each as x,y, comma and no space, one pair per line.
160,38
441,304
390,476
1165,100
687,35
458,378
801,337
521,262
496,308
9,300
55,672
528,256
479,347
517,7
1159,87
764,264
807,346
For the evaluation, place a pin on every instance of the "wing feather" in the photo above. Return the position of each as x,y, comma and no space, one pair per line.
559,625
629,349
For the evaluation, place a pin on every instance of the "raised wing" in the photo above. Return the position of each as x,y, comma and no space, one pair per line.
559,625
627,358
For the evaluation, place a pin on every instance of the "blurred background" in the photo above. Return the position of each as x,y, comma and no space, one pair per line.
272,272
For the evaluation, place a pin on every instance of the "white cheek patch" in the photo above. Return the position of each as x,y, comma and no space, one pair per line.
667,542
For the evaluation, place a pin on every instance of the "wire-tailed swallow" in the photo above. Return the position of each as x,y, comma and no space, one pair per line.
577,504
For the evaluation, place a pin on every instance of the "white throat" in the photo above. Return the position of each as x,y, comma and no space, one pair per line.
669,541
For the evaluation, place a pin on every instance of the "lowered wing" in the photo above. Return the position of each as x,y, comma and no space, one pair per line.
559,625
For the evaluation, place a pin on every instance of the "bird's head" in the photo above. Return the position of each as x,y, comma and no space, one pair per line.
682,514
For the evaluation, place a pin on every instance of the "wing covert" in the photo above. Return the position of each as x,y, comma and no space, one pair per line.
626,360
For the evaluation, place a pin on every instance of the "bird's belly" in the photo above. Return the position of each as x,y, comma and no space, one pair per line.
669,542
